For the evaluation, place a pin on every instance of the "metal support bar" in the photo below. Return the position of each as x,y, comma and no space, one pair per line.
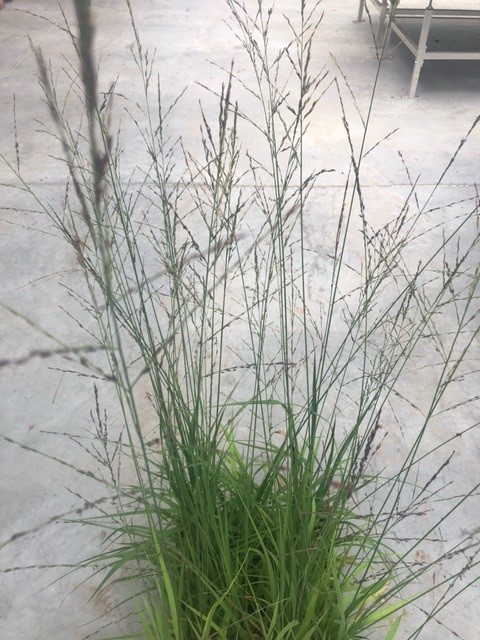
361,6
452,55
408,42
421,50
388,35
382,22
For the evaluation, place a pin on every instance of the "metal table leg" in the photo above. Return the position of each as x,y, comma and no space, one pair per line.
382,26
386,42
361,6
421,50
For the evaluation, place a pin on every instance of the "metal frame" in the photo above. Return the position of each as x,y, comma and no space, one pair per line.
388,23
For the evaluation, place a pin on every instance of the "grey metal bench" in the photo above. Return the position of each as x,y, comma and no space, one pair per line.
388,22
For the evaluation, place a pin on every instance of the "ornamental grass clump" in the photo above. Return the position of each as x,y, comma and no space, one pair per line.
258,504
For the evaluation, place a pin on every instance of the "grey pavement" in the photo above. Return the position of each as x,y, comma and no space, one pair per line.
41,405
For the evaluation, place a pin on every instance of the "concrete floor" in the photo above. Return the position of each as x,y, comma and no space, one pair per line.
37,600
